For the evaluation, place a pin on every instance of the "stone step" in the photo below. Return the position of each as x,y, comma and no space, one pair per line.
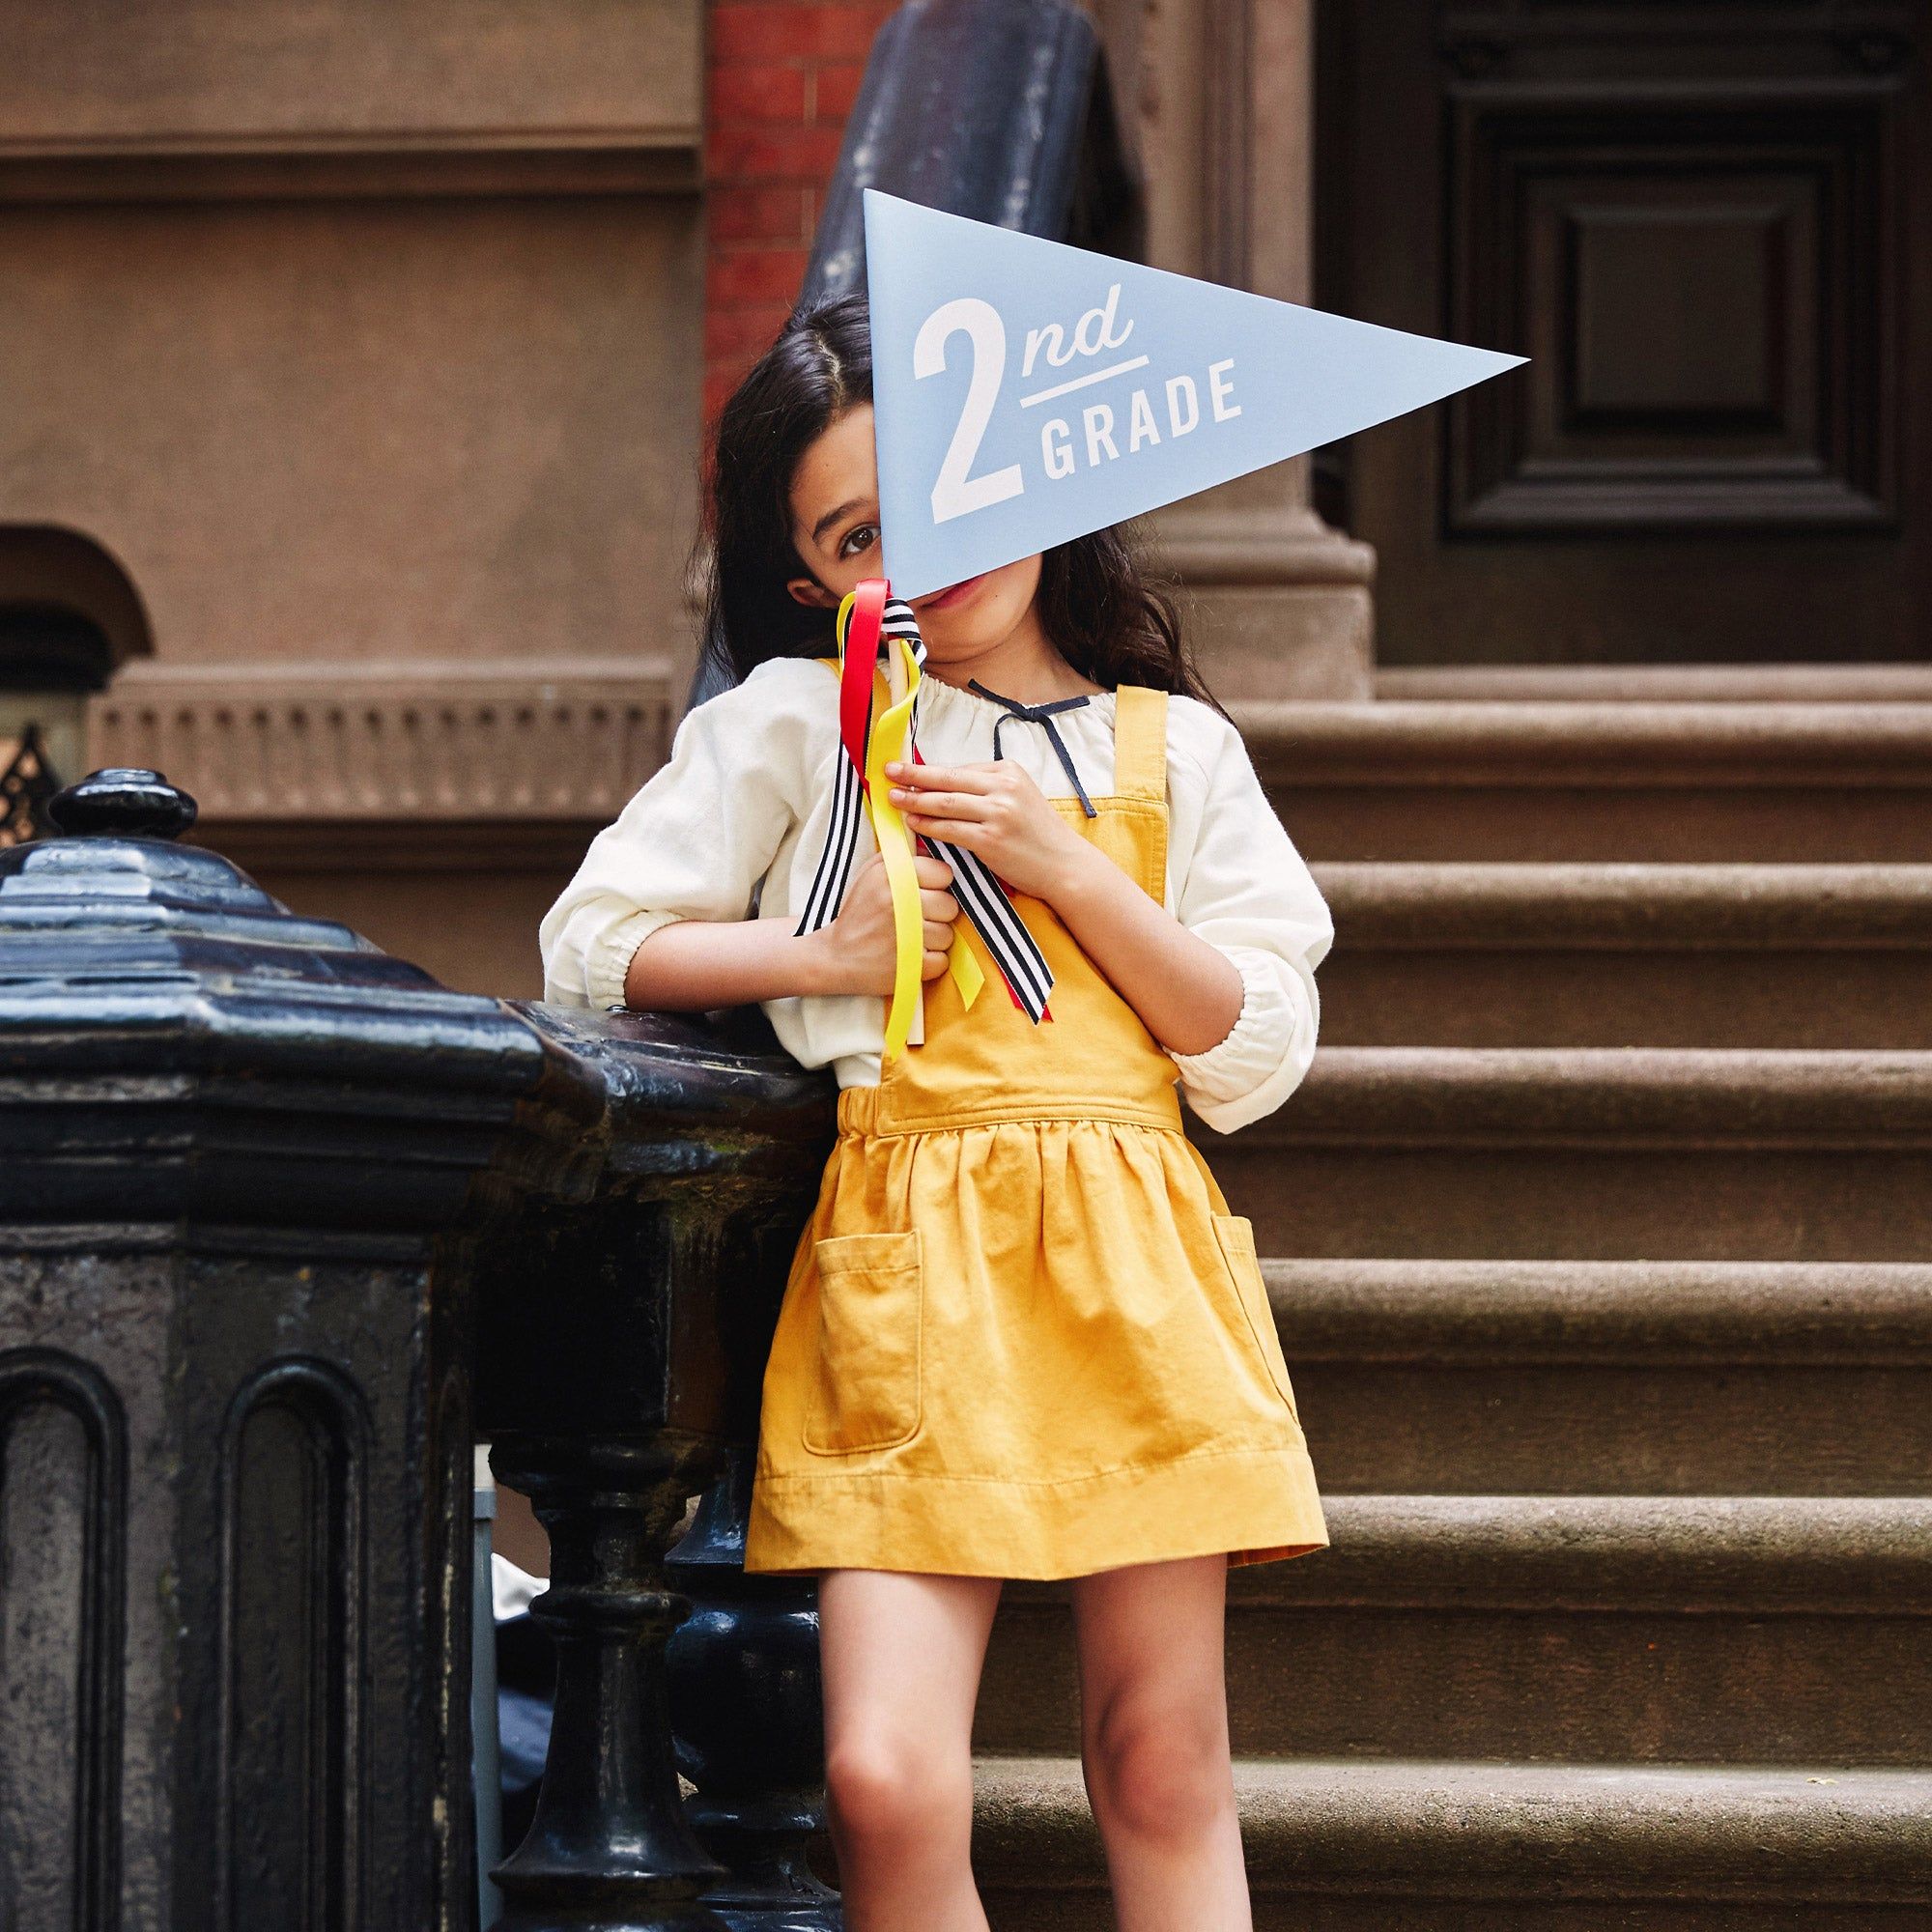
1685,1378
1767,1630
1410,1845
1598,779
1904,680
1623,954
1592,1153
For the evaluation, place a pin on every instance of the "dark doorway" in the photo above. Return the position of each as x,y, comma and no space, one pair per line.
1707,225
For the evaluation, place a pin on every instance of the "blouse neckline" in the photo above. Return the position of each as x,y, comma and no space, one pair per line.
1097,701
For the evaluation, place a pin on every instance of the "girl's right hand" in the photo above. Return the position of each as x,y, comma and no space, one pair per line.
861,940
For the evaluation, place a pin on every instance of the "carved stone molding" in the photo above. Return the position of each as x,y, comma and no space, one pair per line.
451,744
628,160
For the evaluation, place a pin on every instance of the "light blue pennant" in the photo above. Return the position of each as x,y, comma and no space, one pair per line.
1026,392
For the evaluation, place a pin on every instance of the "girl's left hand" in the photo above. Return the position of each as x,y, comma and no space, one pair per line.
996,813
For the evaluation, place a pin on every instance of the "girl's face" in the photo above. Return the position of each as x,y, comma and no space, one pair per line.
835,524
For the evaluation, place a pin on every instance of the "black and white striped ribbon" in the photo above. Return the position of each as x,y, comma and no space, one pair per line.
981,897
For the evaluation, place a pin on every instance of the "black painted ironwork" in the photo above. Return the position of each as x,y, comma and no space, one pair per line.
609,1846
747,1712
235,1431
622,1345
27,787
268,1197
1000,110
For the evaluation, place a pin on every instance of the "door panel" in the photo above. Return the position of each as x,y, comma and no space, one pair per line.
1694,220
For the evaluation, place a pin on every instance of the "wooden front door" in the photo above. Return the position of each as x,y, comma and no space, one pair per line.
1709,227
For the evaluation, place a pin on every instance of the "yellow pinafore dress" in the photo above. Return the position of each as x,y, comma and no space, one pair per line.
1022,1335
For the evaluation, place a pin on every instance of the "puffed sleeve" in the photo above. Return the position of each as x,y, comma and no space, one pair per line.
1247,892
693,843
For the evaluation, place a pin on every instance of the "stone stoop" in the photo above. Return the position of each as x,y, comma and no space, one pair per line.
1635,1152
1601,1250
1472,781
1621,1378
1580,954
1415,1845
1622,1628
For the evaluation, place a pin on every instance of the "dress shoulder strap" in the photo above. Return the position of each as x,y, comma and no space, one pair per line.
1139,742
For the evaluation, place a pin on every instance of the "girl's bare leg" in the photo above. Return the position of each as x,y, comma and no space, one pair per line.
902,1653
1153,1744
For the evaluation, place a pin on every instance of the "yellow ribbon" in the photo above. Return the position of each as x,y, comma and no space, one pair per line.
885,743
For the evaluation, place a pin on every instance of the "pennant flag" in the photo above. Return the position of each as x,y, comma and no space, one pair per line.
1026,392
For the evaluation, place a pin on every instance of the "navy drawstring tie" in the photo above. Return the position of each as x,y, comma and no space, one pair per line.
1039,714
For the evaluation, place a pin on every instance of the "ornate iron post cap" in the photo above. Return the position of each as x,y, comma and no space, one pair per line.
245,1063
127,801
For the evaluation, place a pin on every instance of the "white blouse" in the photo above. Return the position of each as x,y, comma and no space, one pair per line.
732,826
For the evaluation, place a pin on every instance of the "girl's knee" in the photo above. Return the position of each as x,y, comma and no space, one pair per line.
1156,1772
897,1790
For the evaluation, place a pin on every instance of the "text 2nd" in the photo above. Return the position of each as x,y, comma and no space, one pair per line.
957,492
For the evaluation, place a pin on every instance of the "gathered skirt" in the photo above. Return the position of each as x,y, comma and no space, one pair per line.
1026,1348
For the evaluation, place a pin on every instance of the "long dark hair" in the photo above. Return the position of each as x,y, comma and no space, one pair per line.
1097,601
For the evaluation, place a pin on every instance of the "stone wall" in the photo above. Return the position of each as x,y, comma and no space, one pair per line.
363,340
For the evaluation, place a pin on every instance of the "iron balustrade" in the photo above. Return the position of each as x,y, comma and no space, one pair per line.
284,1225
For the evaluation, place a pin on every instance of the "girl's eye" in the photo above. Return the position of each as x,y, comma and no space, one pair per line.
845,541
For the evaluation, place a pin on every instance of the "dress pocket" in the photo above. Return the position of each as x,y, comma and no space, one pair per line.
1236,1235
866,1393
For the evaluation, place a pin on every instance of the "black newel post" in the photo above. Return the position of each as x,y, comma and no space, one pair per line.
272,1206
622,1344
746,1711
239,1154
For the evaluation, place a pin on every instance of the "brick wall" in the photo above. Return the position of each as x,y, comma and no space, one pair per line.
781,78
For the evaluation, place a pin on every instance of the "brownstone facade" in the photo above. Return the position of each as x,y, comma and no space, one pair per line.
352,376
357,366
357,383
356,361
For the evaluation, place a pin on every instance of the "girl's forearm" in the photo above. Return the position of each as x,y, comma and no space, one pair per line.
692,965
1187,993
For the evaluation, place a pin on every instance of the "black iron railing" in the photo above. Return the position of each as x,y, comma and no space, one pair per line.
27,787
284,1225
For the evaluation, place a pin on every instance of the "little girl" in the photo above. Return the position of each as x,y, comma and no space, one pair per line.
1022,1336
